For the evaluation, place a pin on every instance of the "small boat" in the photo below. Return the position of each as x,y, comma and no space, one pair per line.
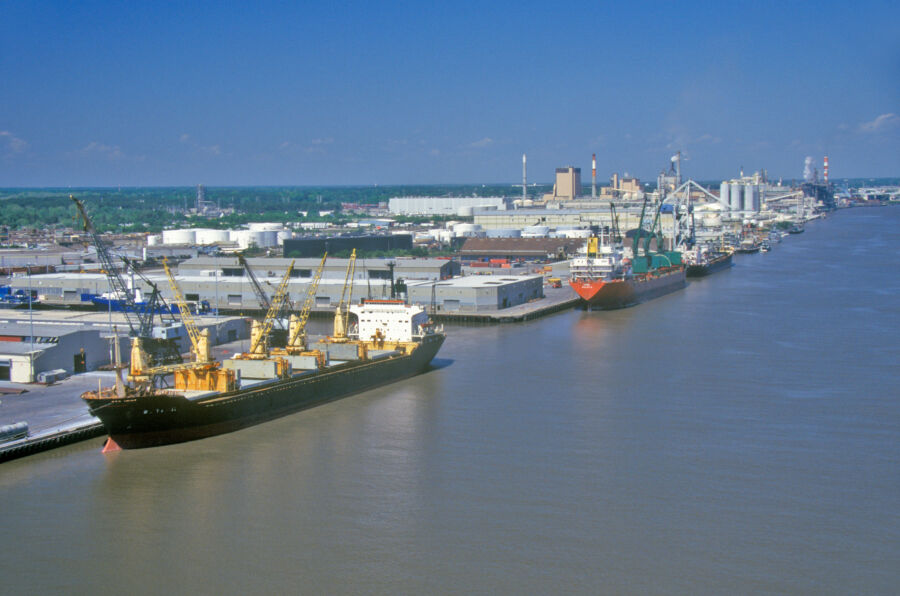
747,246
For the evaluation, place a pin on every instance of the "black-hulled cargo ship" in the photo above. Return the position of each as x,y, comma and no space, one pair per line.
400,343
704,261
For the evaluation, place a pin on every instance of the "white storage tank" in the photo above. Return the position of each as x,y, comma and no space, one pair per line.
154,239
736,203
535,231
574,233
466,229
444,236
265,238
265,226
284,235
179,236
504,233
725,194
206,236
259,239
465,211
239,236
751,198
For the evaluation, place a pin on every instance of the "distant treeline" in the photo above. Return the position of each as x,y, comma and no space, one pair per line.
126,210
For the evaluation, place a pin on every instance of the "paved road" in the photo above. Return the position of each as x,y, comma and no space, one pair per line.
51,407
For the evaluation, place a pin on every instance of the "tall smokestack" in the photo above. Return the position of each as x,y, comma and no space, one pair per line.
825,169
524,177
593,175
678,168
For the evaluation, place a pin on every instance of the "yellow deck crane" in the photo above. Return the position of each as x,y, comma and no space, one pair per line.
342,313
259,334
199,339
297,336
202,374
296,343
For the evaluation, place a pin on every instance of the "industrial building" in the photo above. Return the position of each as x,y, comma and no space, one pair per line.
68,342
477,293
20,260
405,268
444,205
221,281
741,195
29,352
598,214
520,248
312,247
567,186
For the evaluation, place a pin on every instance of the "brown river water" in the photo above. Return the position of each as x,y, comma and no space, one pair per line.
740,436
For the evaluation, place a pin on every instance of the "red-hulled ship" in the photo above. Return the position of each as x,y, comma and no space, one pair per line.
606,279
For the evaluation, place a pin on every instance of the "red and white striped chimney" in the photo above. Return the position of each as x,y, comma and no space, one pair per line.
825,169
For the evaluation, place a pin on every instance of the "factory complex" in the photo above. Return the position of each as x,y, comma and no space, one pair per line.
506,253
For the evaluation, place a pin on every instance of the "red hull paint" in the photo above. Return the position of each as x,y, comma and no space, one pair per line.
620,293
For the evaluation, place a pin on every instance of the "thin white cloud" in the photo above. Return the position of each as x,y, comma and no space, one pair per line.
318,145
681,141
97,150
186,139
12,143
482,143
94,148
883,122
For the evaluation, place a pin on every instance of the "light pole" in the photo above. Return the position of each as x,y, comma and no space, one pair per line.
216,273
30,324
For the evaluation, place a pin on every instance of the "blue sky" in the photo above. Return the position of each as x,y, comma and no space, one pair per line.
270,93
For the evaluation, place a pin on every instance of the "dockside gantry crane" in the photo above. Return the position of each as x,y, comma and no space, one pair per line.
280,330
260,331
139,318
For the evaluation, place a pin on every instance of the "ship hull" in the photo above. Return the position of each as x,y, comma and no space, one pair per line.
607,295
719,263
161,418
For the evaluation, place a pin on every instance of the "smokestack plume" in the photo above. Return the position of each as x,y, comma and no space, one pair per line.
593,175
808,169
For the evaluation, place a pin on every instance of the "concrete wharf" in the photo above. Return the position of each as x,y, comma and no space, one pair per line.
55,414
554,300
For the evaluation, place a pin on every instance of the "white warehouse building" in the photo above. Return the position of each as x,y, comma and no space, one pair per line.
442,205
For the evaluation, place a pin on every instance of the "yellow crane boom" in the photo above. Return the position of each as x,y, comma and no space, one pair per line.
343,309
277,301
201,351
298,330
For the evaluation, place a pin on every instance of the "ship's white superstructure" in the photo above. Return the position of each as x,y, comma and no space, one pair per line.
390,320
